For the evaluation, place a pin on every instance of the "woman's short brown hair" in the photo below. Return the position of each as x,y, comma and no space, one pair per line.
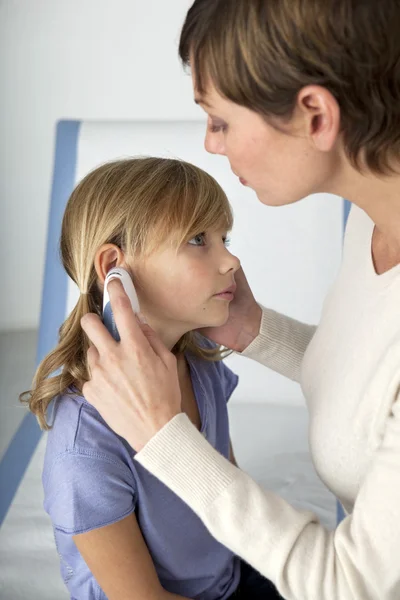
261,53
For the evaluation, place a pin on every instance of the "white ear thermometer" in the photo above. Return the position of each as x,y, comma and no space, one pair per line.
125,279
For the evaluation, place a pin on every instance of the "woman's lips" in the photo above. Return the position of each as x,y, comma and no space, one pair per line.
242,181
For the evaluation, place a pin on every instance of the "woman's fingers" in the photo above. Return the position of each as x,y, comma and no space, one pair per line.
92,358
127,323
141,336
133,384
129,327
96,332
157,345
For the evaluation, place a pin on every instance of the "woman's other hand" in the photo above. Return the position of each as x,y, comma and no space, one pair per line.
244,320
134,383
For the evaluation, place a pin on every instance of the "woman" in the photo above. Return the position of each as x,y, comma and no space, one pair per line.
309,90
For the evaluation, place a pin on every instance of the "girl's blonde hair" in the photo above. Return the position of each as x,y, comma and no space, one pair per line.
136,204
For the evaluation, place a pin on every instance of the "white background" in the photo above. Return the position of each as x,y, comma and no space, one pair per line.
77,59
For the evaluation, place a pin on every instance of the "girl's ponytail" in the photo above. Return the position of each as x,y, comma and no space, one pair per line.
65,365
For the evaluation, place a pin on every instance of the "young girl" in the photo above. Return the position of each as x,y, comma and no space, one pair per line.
120,533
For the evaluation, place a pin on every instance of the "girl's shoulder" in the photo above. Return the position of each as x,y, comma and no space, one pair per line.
77,428
88,476
216,377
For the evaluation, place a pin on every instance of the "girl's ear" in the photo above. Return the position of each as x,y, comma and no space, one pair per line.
107,257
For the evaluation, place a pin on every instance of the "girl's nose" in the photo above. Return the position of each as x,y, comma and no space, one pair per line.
230,262
214,141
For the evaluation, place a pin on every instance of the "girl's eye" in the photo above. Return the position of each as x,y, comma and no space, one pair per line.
198,240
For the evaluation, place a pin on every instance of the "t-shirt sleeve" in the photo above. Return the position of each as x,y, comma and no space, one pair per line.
85,491
229,380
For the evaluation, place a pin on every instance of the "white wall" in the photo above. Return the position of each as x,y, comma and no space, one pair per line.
72,59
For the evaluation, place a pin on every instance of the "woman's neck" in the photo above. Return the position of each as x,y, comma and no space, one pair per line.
379,197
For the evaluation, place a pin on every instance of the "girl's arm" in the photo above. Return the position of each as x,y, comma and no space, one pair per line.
119,559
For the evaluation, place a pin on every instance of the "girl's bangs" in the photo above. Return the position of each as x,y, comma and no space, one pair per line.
185,217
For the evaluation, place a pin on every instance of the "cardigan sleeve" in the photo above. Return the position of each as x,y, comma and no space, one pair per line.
281,343
360,560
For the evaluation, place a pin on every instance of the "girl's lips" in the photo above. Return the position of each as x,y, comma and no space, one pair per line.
242,181
228,293
225,295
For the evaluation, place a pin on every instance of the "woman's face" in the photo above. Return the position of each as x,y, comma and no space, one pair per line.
178,289
280,163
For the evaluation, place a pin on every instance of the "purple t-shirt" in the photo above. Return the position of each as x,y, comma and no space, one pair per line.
91,480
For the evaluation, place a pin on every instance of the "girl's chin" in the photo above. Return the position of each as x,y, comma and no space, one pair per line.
212,319
217,322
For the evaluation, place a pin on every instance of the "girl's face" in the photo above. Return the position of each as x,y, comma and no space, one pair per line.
181,290
282,164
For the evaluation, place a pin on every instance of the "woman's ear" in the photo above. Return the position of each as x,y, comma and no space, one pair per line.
320,114
107,257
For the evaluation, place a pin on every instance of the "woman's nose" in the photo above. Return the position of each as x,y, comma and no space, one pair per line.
214,141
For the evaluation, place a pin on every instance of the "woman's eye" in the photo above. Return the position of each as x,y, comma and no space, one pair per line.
198,240
216,127
226,240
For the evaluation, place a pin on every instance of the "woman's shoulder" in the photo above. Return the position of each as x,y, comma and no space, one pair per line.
358,225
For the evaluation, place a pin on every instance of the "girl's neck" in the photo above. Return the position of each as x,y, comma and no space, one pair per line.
169,333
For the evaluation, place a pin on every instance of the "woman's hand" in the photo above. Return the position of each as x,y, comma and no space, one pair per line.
244,320
134,383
